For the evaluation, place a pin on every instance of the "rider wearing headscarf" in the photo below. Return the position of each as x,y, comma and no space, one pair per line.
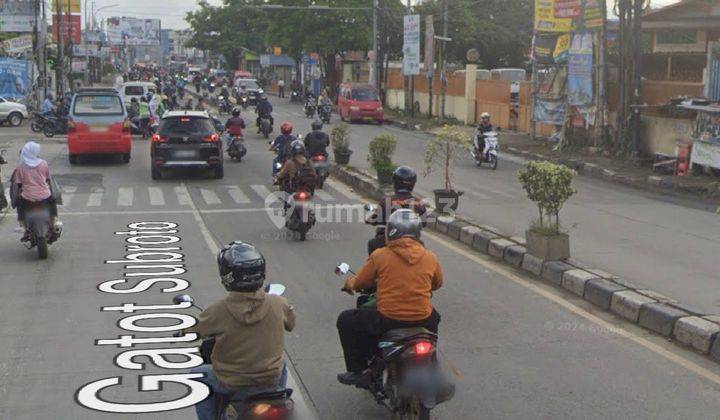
33,178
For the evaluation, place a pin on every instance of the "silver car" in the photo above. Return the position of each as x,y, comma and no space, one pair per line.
12,112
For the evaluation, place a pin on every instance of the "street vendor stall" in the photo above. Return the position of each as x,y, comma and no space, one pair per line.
706,136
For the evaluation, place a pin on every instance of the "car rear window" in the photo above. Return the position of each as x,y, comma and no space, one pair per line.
134,90
186,126
364,95
98,105
249,84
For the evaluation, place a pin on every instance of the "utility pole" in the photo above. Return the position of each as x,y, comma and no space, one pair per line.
637,75
376,80
69,45
408,102
600,126
443,66
59,66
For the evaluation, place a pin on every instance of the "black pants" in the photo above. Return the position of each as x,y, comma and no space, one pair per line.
23,205
361,329
376,243
281,91
272,121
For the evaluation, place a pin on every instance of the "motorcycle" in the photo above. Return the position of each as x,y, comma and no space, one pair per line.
244,101
265,126
310,109
275,405
294,97
325,112
322,169
490,154
40,232
405,375
37,125
224,106
302,216
3,199
54,125
236,148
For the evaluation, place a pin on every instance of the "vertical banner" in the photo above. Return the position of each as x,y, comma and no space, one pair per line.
17,15
429,46
73,23
14,80
580,70
74,6
411,45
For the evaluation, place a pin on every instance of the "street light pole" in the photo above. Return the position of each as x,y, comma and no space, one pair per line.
376,58
443,68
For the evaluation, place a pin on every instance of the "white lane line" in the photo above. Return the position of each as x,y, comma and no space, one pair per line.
262,191
324,195
156,196
210,197
183,196
125,197
238,195
95,198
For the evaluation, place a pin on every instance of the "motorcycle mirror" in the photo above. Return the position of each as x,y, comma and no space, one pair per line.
3,152
183,299
275,289
342,269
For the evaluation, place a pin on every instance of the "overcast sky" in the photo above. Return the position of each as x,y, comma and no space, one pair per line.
172,12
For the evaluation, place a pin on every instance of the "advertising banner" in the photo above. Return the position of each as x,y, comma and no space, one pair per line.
17,15
429,46
580,70
411,45
73,4
14,78
551,112
567,15
133,31
83,50
73,24
18,45
551,48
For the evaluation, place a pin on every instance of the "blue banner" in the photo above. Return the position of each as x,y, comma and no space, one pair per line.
14,78
580,70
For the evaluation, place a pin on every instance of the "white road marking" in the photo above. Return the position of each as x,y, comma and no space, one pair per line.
205,211
95,198
323,195
238,195
156,196
262,191
183,196
125,197
210,197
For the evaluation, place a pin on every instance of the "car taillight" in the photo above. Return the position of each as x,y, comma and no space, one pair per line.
211,138
267,411
319,158
157,138
423,348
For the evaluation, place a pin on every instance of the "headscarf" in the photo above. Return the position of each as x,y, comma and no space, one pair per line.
29,154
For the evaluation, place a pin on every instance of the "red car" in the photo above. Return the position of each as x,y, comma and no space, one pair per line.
359,101
98,124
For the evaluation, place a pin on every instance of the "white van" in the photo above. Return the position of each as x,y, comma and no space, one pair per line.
137,90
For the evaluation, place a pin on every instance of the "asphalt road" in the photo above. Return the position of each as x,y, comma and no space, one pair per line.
524,350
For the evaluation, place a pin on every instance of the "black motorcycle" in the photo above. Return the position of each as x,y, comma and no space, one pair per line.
276,405
322,168
294,97
266,126
236,148
224,105
325,112
310,109
405,375
55,125
299,213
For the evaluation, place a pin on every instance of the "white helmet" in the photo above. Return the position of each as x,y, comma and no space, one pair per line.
485,115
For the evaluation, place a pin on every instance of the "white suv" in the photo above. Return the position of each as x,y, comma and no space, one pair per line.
12,112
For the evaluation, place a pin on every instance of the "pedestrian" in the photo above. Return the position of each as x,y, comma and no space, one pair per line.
281,88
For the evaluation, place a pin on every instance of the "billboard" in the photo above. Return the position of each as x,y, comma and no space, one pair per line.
18,45
567,15
74,6
16,15
133,31
14,78
411,45
73,25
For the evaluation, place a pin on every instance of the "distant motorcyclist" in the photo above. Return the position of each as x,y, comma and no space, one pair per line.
317,142
282,145
264,110
405,275
485,126
297,171
47,105
225,93
404,180
249,326
134,109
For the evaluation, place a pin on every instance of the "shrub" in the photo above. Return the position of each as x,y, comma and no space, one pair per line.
340,138
549,186
381,149
443,150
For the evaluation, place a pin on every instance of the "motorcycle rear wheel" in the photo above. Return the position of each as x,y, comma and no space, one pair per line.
413,409
493,162
42,247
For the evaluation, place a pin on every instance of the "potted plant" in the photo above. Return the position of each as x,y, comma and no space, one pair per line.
340,138
381,149
441,153
549,186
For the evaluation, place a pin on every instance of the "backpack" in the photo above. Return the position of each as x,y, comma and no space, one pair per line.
305,176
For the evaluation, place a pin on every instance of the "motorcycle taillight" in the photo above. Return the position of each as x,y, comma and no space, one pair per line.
423,348
319,158
267,411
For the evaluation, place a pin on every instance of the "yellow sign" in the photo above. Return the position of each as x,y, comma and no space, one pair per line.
74,6
562,48
277,50
587,15
545,19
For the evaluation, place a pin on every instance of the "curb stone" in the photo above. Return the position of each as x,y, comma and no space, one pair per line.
650,310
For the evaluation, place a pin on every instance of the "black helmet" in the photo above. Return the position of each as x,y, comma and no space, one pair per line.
404,179
297,148
235,112
242,267
403,223
317,125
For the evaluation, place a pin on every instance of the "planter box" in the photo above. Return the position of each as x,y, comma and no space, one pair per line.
548,247
342,157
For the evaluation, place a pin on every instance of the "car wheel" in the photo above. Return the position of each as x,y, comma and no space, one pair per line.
126,158
155,172
73,159
15,119
219,172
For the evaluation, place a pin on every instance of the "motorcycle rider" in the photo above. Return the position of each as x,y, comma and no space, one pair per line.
484,127
32,177
282,145
298,166
234,126
249,328
404,180
264,110
47,106
405,275
317,142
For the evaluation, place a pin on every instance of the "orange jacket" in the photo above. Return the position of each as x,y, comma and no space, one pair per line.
406,274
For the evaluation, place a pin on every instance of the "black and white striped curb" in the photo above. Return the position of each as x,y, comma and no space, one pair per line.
662,315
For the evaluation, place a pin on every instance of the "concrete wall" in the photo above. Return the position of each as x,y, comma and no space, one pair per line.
661,134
